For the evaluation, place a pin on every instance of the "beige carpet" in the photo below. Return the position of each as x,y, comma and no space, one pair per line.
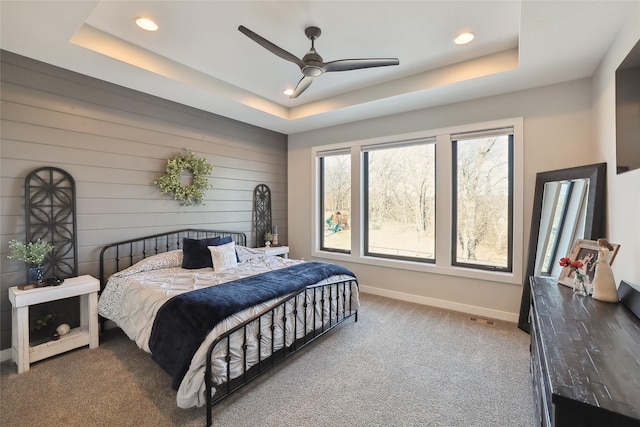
401,364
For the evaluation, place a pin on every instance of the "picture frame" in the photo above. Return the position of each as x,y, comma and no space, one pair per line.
585,251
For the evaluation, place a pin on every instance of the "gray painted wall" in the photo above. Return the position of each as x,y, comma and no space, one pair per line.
115,142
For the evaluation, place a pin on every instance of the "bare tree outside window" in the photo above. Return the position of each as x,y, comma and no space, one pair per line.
483,201
336,202
401,202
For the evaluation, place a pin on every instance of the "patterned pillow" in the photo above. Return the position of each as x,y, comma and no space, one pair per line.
223,256
245,254
155,262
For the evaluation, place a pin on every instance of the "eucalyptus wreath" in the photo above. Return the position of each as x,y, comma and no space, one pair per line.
170,181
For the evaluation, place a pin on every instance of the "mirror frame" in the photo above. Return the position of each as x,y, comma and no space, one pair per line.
594,226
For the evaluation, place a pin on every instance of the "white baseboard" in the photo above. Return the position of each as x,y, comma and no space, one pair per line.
433,302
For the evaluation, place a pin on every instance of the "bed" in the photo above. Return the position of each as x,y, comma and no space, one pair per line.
215,314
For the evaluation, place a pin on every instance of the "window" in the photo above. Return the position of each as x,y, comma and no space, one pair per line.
400,201
447,201
335,177
483,193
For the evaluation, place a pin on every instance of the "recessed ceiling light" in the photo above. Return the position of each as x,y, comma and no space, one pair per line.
146,24
464,38
288,92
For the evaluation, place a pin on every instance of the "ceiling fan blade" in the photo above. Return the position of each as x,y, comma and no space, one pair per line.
303,84
357,64
271,47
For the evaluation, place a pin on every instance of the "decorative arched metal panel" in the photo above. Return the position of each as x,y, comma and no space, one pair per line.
50,215
262,211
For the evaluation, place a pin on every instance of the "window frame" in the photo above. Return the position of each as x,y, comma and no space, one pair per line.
454,201
443,264
321,201
365,198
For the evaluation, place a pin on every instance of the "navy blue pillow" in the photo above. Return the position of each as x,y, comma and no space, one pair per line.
195,253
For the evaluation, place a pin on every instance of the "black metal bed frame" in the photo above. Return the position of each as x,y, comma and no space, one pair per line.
328,305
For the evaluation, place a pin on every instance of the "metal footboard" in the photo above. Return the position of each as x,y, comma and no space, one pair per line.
301,318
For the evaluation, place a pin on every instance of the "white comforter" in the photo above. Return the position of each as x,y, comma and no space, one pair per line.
133,296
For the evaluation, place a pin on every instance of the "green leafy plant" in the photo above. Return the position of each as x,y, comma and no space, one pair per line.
170,181
42,321
31,253
268,237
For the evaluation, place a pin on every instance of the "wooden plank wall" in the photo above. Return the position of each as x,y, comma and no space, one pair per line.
115,142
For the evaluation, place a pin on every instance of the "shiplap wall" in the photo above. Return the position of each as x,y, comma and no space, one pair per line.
115,142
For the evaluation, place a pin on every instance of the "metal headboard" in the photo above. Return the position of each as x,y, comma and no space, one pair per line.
120,255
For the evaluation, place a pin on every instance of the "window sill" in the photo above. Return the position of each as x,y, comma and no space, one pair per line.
493,276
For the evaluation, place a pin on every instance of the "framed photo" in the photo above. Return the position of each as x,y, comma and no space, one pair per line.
585,251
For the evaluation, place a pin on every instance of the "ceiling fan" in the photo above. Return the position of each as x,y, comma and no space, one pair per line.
312,64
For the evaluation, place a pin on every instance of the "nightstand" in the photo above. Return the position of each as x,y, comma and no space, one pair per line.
282,251
86,287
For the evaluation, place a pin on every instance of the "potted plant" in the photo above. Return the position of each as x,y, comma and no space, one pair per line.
33,253
267,239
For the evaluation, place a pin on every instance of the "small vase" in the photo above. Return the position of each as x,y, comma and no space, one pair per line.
35,274
579,287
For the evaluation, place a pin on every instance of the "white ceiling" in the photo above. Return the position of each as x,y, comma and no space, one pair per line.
199,58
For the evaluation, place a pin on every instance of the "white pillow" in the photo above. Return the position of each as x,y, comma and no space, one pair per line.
223,256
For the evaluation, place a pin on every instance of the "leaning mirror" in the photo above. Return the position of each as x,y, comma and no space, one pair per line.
568,204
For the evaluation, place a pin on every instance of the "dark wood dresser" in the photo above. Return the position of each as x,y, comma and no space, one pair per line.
585,359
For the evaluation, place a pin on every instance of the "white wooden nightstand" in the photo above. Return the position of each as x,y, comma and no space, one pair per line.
86,287
275,250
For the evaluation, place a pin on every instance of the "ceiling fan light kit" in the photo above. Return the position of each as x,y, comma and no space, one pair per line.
312,65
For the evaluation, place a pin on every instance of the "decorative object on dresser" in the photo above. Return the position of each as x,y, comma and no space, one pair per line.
580,278
586,252
604,284
583,189
213,340
171,181
584,359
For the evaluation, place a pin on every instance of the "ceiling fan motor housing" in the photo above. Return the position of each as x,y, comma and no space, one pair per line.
312,64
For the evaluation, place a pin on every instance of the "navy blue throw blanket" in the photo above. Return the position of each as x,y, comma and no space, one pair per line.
184,321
